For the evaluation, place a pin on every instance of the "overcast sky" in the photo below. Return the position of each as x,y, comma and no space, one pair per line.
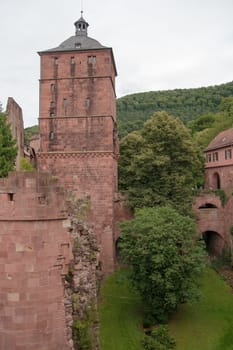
158,44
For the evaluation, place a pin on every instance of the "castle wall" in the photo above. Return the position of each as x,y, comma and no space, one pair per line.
35,252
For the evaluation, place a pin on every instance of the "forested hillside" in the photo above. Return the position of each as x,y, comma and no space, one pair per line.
187,104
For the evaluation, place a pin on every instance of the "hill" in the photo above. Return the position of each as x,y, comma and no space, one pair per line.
187,104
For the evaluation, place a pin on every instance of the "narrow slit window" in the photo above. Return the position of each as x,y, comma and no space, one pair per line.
64,102
72,60
88,103
55,61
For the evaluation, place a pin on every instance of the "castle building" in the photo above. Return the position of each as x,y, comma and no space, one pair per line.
219,162
78,131
214,205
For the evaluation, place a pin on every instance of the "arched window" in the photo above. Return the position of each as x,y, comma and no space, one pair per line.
216,181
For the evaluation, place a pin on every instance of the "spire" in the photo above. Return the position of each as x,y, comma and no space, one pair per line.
81,26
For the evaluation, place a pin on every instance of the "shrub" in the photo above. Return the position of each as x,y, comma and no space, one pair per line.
159,339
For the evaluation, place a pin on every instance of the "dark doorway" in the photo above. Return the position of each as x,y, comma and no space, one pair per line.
207,205
214,243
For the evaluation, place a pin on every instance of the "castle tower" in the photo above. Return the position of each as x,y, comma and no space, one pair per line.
78,132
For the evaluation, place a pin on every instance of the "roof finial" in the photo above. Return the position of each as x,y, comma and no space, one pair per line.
81,8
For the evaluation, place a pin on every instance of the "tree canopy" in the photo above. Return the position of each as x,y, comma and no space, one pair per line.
160,164
165,258
8,149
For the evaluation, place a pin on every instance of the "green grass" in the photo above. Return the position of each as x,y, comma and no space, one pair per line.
204,325
207,324
120,313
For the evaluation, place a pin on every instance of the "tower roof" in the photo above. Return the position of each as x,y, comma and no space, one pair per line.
80,41
223,139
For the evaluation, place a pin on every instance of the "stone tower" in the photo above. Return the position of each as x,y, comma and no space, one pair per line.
78,132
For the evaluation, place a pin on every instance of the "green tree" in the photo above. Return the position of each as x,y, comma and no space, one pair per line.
8,149
160,164
166,259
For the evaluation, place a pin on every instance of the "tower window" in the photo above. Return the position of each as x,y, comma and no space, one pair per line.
11,196
72,60
64,103
52,104
91,59
51,135
88,103
55,61
53,88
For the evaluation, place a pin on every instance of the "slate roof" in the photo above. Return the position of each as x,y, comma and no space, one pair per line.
223,139
80,41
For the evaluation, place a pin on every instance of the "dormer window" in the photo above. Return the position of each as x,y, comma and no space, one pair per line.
77,45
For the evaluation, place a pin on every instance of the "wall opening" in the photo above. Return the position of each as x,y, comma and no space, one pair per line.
216,181
207,205
214,243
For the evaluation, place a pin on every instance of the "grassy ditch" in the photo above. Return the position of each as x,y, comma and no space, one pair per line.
208,323
120,313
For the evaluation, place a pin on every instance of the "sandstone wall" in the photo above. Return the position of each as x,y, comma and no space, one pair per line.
35,252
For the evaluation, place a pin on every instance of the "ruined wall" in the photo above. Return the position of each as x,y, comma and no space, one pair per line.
15,118
39,235
35,251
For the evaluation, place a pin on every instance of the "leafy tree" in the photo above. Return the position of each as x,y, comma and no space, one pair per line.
8,149
160,246
207,126
160,164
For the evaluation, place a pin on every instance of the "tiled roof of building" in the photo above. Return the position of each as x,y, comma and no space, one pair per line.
223,139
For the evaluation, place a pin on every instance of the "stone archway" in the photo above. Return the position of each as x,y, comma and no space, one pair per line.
214,243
